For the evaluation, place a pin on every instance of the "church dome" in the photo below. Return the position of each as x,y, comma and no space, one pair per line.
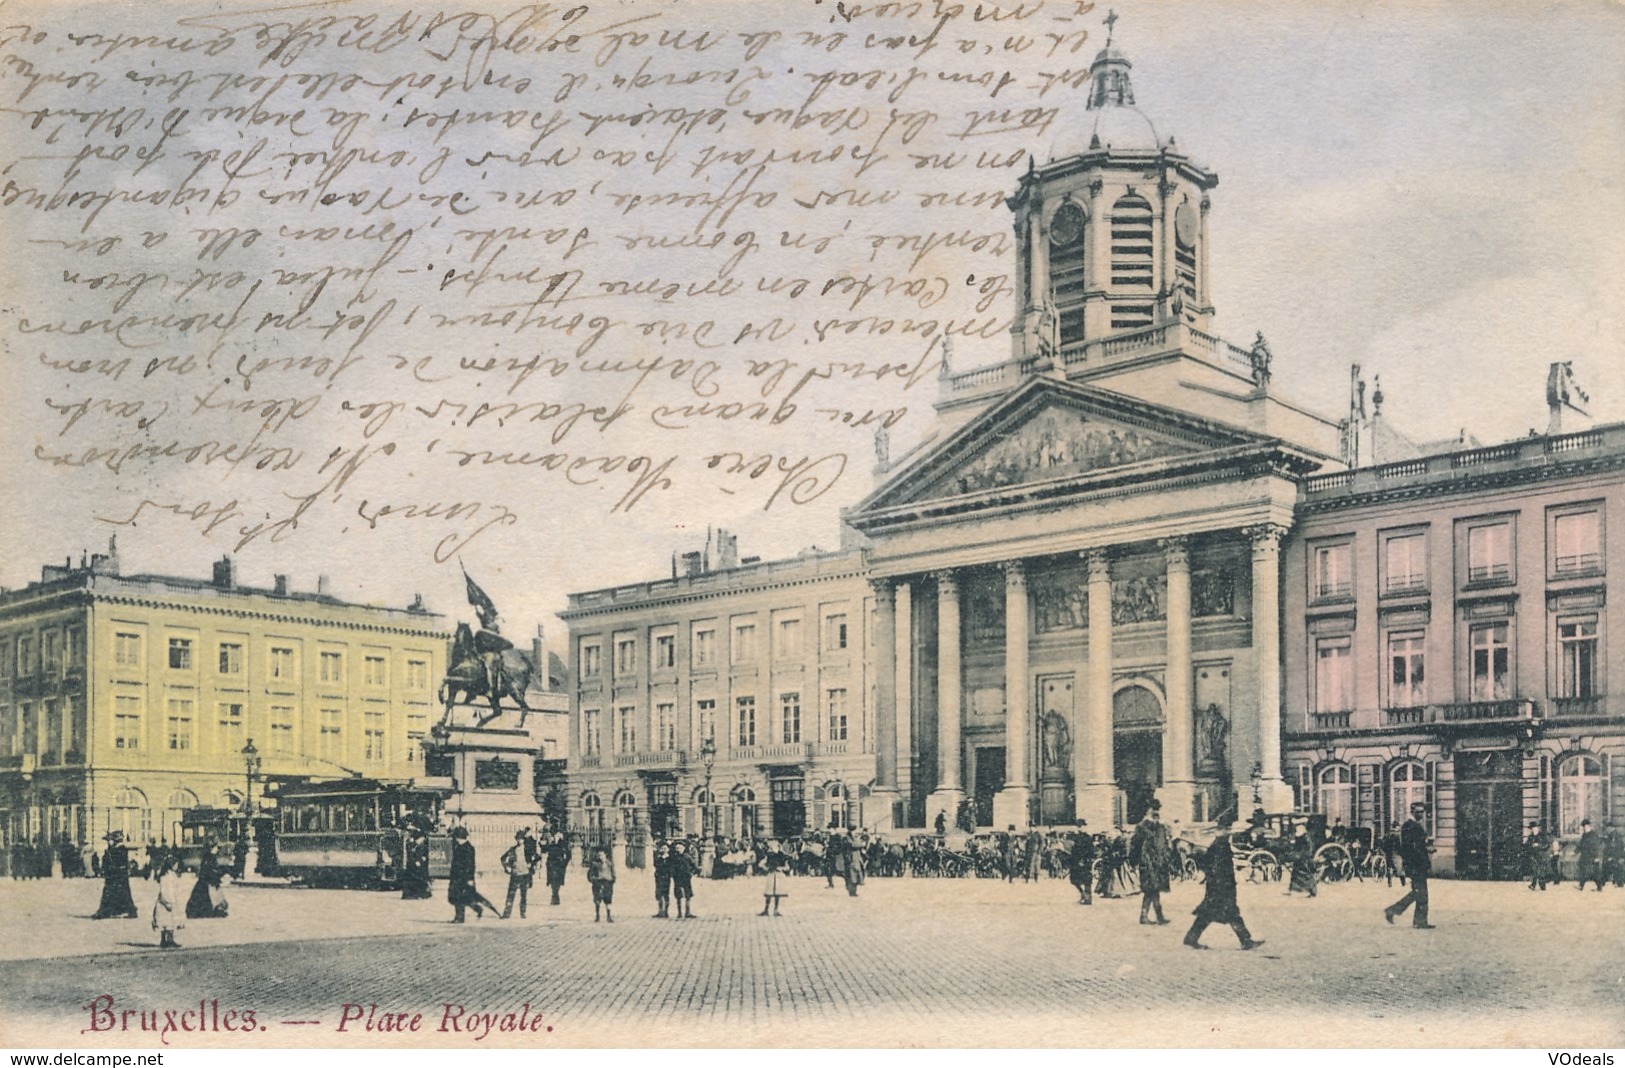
1111,120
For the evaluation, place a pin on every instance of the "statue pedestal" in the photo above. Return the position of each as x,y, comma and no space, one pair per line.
1012,806
945,802
493,773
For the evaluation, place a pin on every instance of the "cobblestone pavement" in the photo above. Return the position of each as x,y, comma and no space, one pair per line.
909,962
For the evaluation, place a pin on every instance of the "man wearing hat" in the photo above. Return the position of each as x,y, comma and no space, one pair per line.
520,863
460,888
1413,852
1219,895
1534,857
1081,865
1590,849
1151,850
682,879
116,900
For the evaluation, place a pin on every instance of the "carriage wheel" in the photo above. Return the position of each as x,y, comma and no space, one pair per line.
1263,867
1333,862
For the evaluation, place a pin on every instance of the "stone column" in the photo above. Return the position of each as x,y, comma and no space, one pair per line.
949,792
1274,794
878,813
1096,782
1012,805
1178,775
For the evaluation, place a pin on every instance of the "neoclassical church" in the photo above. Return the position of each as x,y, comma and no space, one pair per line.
1124,565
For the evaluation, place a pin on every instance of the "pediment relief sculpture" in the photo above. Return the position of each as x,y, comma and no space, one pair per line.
1054,444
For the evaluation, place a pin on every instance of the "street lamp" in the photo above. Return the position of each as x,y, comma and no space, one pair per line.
251,765
708,753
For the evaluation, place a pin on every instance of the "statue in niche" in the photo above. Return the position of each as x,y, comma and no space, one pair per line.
1212,732
1057,741
1213,593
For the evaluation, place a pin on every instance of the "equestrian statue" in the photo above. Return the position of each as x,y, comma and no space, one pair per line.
485,664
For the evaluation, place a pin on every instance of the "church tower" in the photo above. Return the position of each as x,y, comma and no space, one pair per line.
1112,231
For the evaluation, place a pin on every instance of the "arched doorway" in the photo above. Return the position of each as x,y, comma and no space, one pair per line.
1137,747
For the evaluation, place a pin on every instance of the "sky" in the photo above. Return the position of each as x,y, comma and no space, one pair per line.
1430,190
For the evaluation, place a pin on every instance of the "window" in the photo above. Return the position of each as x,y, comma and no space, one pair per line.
1489,553
788,639
372,737
1405,563
280,721
126,723
1581,793
1490,660
1132,258
231,658
705,719
591,661
126,651
835,632
626,656
744,647
665,652
179,724
282,663
330,740
51,652
1407,786
417,674
589,732
747,722
627,717
1406,679
790,717
417,726
375,671
705,647
180,654
665,727
76,648
836,703
1334,575
231,726
1334,677
1577,657
1576,542
1334,793
330,667
25,655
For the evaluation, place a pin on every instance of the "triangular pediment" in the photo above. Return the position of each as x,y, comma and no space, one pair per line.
1049,434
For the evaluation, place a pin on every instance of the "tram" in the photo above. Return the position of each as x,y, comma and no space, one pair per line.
352,832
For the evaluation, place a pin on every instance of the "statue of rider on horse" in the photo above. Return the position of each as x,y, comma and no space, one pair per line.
485,664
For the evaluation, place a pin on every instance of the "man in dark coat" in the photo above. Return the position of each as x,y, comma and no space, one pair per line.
1590,849
1151,850
1534,857
1613,854
1413,852
520,863
200,905
116,900
461,891
682,879
1081,864
1219,895
662,871
558,862
415,866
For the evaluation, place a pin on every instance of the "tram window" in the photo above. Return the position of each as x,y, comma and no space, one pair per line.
370,815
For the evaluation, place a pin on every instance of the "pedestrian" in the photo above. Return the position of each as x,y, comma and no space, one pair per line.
169,910
1413,853
207,899
1613,854
1081,864
67,851
1390,855
1219,892
1553,870
520,863
941,824
239,855
662,868
558,862
1151,850
853,872
682,879
415,866
89,863
832,856
116,901
460,888
1301,853
1534,857
1590,850
775,868
1009,853
601,874
1035,856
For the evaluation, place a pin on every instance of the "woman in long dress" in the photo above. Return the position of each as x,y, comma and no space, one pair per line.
1302,854
169,910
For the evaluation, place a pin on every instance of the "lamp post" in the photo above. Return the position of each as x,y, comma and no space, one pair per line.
708,753
251,767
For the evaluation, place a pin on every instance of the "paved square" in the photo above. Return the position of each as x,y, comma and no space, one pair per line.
908,962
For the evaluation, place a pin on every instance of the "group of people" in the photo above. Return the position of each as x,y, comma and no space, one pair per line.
182,894
1600,856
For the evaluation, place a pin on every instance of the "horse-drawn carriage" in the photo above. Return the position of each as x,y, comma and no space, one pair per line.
1264,849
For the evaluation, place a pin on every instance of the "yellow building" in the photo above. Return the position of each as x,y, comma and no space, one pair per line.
125,699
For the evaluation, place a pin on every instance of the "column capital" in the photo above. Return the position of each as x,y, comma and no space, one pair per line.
1099,563
1015,574
884,589
1266,537
947,581
1177,552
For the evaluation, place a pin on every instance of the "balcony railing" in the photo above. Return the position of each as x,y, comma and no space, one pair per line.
1330,721
1595,705
661,758
1448,467
1404,717
591,760
1577,562
1517,708
830,749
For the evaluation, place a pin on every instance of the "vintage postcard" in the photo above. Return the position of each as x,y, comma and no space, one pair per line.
823,523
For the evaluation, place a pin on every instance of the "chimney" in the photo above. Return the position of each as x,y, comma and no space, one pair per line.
225,573
538,654
693,564
1568,405
321,585
727,550
281,589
